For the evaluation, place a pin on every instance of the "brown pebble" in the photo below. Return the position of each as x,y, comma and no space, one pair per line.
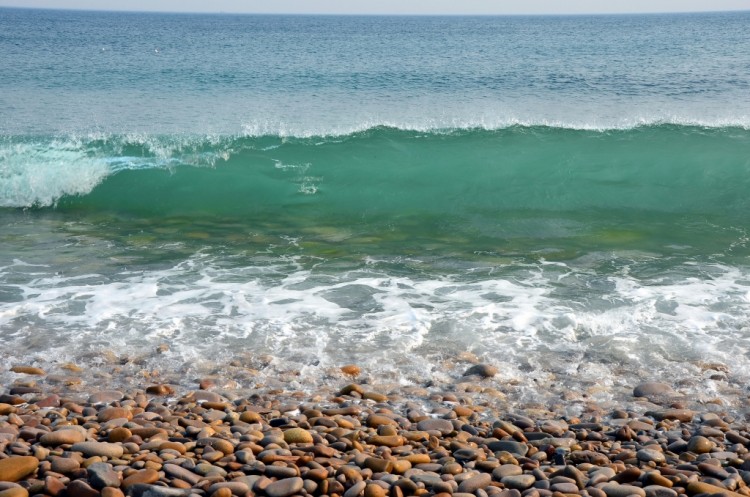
112,492
351,370
14,492
28,370
15,468
143,476
298,435
79,488
110,413
160,390
250,417
373,490
222,492
61,437
119,434
53,486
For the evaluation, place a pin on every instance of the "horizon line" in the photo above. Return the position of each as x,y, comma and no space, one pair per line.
376,14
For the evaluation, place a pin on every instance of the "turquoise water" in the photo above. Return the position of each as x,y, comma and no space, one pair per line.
563,197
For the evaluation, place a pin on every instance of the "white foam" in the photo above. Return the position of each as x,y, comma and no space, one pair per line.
38,174
407,329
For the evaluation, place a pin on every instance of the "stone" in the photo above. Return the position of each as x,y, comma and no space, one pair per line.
515,448
143,490
103,449
351,370
285,487
373,490
62,437
483,370
30,370
700,445
80,488
386,440
14,492
652,389
112,492
119,434
650,455
506,470
616,490
222,492
102,475
234,487
659,491
176,471
219,444
15,468
471,485
518,482
376,420
699,487
298,436
53,486
683,415
105,397
64,465
160,390
444,426
110,413
146,476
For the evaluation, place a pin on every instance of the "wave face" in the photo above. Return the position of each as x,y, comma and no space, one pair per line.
532,183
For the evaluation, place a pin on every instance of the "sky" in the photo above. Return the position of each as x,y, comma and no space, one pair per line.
393,6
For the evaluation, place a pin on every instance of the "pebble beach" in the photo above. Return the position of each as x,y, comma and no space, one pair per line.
356,439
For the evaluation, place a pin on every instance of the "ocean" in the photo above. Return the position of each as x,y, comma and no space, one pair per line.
263,199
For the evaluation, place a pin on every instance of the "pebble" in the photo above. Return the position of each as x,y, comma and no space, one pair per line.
518,482
15,468
30,370
483,370
62,437
475,483
102,475
351,370
700,445
649,455
298,435
286,487
652,389
617,490
444,426
103,449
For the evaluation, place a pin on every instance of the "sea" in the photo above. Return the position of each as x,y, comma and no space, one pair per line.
263,199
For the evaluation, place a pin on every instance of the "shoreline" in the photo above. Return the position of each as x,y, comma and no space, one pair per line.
351,440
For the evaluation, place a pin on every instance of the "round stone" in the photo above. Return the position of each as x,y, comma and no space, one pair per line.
15,468
351,370
652,389
518,482
700,445
61,437
373,490
483,370
650,455
285,487
615,490
144,476
298,436
444,426
471,485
